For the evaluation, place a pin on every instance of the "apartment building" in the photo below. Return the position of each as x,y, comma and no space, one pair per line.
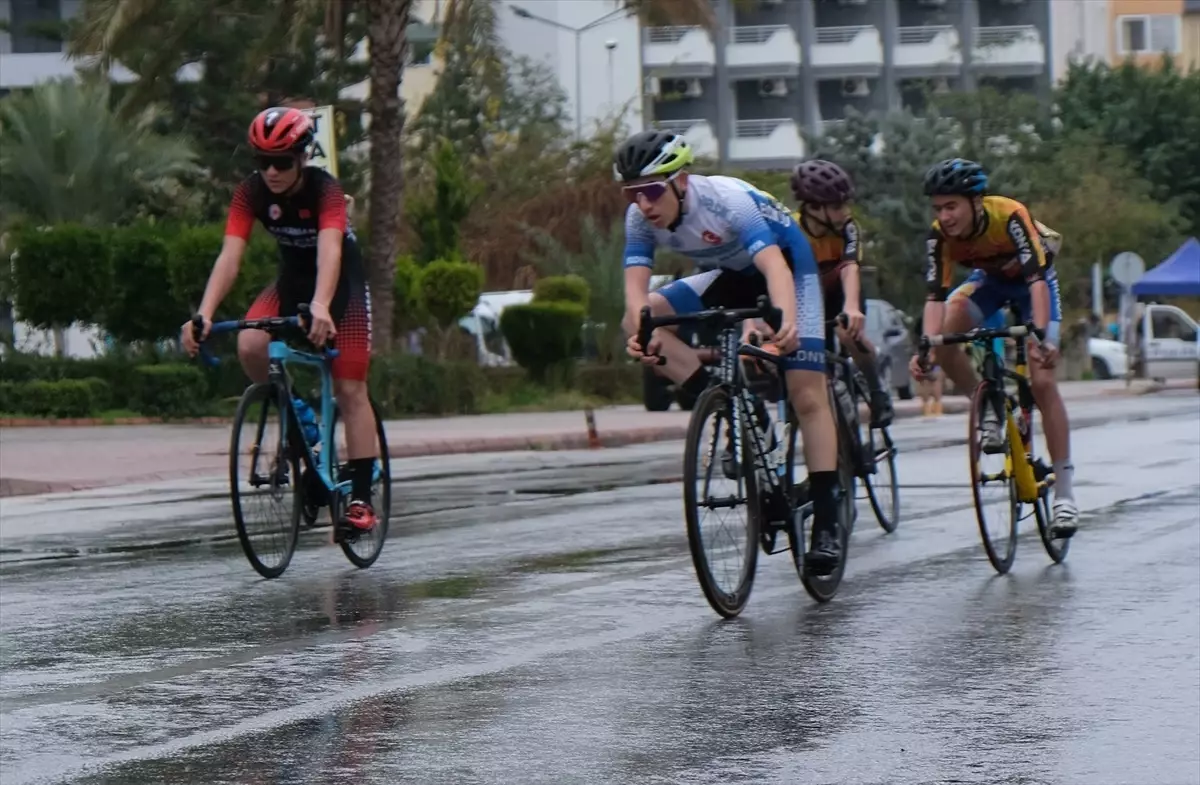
1145,29
744,93
1191,34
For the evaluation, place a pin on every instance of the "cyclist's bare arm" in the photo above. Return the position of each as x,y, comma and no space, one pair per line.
637,295
223,275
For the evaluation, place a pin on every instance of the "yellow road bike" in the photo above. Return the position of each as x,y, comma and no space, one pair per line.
1013,473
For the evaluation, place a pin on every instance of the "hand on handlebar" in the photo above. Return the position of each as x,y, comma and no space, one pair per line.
649,355
188,337
320,324
854,322
920,367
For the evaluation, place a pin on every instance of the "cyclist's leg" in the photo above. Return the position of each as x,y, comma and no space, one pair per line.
864,358
252,344
351,310
809,393
1055,422
690,295
968,306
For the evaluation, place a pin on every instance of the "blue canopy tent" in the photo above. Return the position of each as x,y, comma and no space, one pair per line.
1178,275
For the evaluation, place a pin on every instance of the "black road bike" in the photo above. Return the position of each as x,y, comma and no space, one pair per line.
754,459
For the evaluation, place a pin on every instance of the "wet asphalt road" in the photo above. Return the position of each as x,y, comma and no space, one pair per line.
538,621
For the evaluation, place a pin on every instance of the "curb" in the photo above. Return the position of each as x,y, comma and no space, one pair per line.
69,422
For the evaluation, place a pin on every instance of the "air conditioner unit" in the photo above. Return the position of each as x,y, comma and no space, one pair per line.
689,88
856,87
941,85
694,89
773,88
650,86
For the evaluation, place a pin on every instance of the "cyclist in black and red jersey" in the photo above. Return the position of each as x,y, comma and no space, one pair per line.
304,207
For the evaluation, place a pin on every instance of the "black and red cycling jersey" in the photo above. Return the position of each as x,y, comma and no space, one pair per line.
294,220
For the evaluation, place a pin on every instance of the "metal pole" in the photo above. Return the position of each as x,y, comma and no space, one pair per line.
578,91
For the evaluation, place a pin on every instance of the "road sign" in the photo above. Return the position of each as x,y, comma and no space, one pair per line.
1126,268
324,148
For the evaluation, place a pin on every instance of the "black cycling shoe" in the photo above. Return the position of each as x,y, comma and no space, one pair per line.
881,410
826,552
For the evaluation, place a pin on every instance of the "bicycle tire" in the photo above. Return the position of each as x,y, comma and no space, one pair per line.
383,507
883,454
265,392
1001,561
823,588
715,400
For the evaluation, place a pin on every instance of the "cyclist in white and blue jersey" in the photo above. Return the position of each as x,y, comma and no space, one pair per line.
748,245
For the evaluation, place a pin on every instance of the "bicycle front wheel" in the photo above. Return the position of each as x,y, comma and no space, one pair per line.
993,483
264,480
363,548
722,532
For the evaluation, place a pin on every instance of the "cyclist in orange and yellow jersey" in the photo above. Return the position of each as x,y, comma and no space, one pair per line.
1011,258
824,192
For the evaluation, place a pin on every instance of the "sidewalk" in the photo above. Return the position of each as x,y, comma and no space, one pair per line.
54,459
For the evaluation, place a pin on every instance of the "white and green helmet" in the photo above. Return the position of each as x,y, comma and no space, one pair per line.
650,153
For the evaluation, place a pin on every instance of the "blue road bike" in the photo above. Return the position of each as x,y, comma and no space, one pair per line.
275,433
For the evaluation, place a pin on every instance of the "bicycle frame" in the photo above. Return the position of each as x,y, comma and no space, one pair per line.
279,356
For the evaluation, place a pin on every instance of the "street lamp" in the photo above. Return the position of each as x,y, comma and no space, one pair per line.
577,32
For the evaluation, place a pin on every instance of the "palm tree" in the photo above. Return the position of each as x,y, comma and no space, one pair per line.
109,27
65,155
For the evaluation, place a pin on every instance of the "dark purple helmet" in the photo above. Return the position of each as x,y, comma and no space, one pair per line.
821,182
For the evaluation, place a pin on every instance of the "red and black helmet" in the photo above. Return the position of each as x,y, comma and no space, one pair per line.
821,182
281,130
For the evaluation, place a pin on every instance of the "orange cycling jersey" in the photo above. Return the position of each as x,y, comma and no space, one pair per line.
1008,244
833,251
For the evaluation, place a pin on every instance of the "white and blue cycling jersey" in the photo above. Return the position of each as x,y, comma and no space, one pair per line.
726,223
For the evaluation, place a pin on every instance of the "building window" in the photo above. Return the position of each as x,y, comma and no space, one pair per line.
1148,34
29,23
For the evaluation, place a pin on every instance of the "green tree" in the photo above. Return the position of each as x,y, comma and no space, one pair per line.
65,155
1101,206
140,308
887,157
1153,114
437,215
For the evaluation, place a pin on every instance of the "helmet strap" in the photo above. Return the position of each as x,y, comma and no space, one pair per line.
682,206
977,216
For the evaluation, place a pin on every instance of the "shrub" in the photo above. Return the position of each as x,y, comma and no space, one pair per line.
449,290
562,289
170,390
61,275
619,383
140,308
64,398
406,292
407,384
544,338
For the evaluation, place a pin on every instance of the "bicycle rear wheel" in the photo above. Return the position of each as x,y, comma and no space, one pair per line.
883,489
726,587
993,484
1056,549
264,480
363,548
822,588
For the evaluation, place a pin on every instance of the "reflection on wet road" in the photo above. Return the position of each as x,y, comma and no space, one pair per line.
521,628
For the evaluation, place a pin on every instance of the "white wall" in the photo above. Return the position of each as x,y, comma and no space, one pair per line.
556,48
1078,28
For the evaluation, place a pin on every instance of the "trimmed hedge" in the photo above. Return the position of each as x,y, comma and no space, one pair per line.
545,337
404,385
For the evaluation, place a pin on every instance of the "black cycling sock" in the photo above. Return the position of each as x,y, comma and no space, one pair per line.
697,382
821,488
360,470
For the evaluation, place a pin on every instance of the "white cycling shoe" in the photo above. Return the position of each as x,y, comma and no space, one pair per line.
1066,519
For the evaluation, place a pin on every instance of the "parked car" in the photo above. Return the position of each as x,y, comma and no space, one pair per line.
889,330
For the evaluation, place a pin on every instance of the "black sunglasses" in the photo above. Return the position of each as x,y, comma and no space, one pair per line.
282,163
